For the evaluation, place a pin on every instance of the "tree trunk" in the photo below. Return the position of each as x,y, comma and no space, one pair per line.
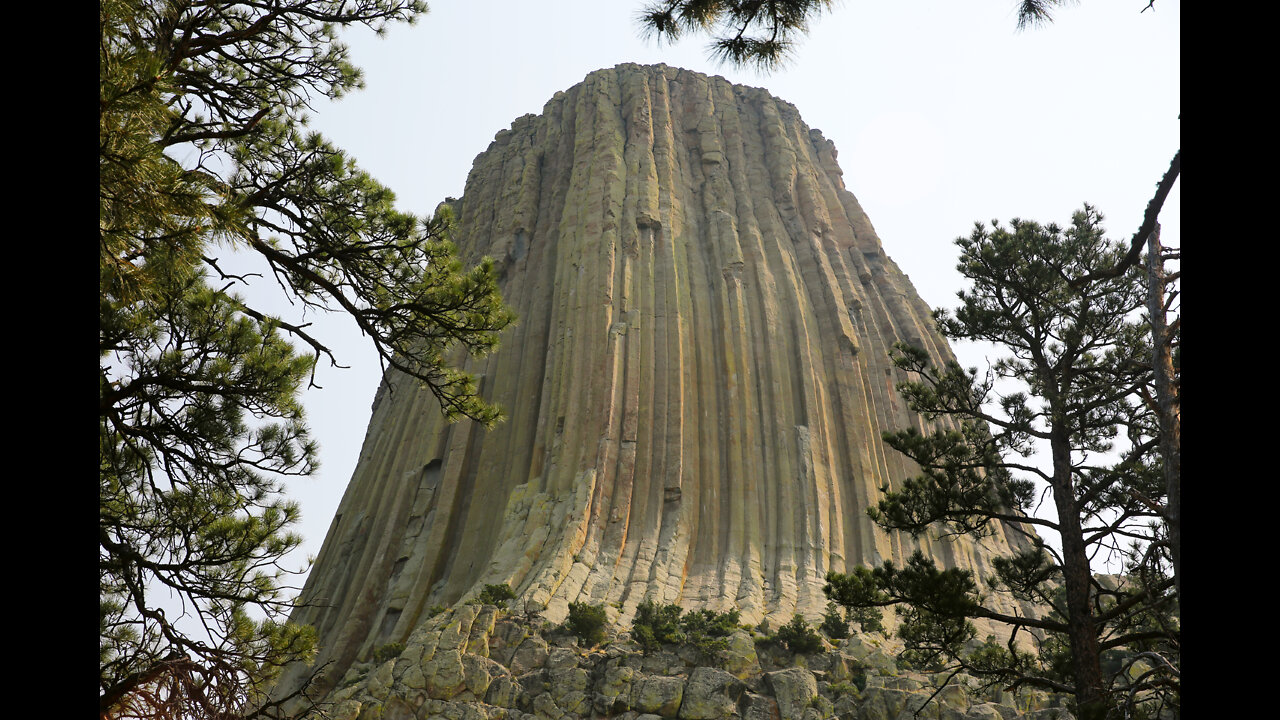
1168,405
1078,581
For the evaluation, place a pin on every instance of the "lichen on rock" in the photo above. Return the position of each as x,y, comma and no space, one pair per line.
612,681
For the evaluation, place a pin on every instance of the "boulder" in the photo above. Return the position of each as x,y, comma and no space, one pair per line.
658,695
613,692
794,689
760,707
740,655
444,674
530,655
711,693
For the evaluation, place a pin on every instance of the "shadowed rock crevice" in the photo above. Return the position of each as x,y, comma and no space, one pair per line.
695,391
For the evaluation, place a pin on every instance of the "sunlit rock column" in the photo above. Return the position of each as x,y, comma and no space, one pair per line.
695,391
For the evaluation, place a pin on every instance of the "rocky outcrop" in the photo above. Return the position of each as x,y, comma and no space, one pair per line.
695,391
433,677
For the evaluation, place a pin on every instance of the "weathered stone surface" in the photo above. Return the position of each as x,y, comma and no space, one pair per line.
820,707
658,695
481,630
954,695
544,707
984,711
414,678
558,658
504,691
794,689
761,707
842,667
845,707
740,656
614,690
564,681
870,655
398,709
380,681
695,392
662,663
478,672
580,684
445,675
882,704
711,693
507,636
346,710
531,655
894,683
532,685
458,629
1050,714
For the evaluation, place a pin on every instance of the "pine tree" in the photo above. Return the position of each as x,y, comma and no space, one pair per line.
760,33
1081,359
203,144
744,33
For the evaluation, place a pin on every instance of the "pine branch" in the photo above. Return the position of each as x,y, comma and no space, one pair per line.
1148,226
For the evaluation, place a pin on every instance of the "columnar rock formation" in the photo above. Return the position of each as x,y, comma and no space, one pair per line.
695,391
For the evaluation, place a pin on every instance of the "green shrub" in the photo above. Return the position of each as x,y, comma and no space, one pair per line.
822,705
435,610
842,688
868,620
765,642
798,636
387,652
708,631
854,592
834,625
920,660
587,622
497,595
710,623
656,624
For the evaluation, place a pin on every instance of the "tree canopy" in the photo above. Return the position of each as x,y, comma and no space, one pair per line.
1080,359
1066,305
203,149
763,33
744,33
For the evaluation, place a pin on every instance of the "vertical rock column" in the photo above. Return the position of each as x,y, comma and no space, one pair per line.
695,391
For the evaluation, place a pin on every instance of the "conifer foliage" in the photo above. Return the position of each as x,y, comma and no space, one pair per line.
204,149
763,33
1079,358
754,32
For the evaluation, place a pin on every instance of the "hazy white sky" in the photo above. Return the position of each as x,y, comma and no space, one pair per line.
942,113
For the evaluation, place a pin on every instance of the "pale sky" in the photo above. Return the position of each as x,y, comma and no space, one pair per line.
942,114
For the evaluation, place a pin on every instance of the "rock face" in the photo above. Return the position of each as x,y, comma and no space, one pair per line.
695,391
434,678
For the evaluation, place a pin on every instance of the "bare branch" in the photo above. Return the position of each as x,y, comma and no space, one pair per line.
1148,226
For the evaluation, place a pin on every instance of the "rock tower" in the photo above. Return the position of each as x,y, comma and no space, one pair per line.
695,391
